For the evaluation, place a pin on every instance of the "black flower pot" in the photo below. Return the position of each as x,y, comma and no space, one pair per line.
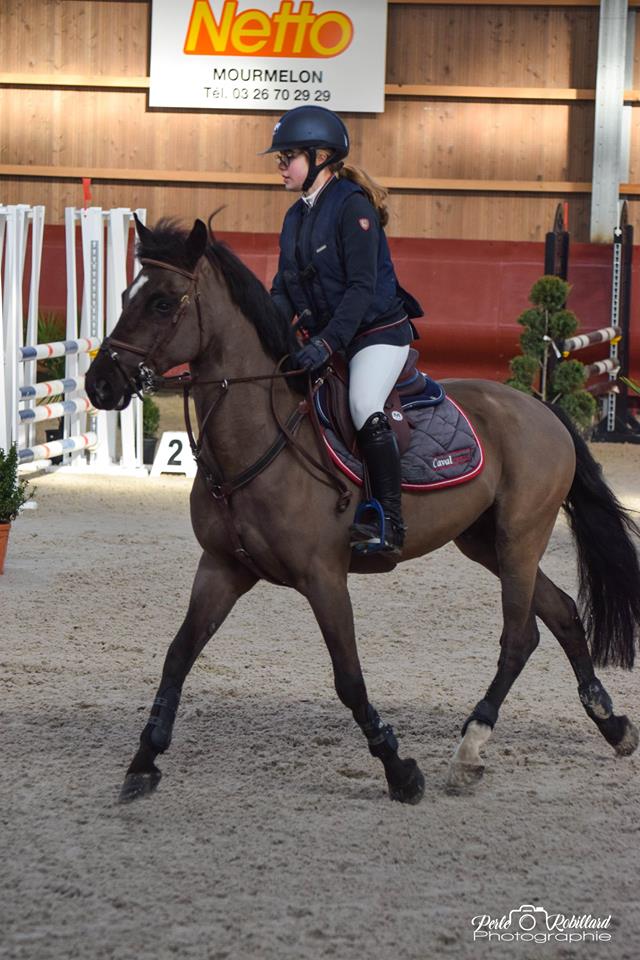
149,445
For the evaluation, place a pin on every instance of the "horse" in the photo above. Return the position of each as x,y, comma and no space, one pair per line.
263,507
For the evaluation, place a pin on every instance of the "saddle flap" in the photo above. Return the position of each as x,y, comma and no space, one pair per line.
336,402
412,389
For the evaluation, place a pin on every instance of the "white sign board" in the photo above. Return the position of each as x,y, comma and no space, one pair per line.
173,455
268,54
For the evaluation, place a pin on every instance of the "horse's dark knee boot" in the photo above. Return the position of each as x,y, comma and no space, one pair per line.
483,712
157,733
404,777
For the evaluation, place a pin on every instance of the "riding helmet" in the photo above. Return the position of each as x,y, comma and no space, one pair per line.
311,127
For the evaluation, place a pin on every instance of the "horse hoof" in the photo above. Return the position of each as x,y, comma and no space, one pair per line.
139,785
412,790
629,742
464,776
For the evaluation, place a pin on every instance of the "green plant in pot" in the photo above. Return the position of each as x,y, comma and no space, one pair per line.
547,324
150,424
14,493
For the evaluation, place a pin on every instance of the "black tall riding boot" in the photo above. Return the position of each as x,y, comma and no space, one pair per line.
379,449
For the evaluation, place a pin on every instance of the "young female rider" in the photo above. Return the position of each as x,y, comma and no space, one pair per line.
335,274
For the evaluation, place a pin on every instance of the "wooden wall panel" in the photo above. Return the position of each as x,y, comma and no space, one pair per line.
413,138
486,216
416,137
107,37
492,46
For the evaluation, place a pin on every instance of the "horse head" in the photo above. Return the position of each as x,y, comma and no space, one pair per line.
160,325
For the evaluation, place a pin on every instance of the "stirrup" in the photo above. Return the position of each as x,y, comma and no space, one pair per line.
374,534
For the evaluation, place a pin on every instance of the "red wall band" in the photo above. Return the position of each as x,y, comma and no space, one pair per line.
472,293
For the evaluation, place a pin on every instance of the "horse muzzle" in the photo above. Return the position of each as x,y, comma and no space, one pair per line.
106,385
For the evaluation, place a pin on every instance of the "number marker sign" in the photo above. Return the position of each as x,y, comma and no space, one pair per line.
173,455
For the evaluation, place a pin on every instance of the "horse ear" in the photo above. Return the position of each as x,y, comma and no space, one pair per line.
196,242
142,231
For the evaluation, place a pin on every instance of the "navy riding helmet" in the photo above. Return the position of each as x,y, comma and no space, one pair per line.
309,128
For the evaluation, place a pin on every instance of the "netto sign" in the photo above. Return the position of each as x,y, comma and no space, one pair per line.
268,54
287,33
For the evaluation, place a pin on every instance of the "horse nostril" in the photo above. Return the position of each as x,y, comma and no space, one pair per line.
101,394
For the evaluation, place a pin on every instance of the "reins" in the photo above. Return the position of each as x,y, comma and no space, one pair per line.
220,487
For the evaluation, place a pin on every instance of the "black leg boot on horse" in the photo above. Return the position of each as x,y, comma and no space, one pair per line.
383,530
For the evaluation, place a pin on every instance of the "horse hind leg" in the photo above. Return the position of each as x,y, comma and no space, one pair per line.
559,613
518,557
217,585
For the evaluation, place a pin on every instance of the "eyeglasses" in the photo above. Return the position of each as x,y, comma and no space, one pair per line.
284,159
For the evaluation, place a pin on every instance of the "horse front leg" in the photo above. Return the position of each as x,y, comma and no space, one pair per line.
331,605
218,583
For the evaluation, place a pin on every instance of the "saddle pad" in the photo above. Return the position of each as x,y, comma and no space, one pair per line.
444,450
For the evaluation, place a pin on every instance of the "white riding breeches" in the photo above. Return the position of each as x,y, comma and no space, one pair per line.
373,373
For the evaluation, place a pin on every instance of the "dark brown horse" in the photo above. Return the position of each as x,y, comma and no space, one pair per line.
195,302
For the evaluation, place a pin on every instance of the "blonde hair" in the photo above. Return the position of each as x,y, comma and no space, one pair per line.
375,193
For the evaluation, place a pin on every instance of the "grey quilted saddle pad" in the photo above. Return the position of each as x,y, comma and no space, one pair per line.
444,449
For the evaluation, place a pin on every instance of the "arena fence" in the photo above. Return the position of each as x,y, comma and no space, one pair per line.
91,439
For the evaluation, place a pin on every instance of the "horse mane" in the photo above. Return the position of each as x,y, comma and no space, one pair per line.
167,242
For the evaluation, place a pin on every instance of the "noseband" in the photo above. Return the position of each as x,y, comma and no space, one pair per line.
221,488
145,379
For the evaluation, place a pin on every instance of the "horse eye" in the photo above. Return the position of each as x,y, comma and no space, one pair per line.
163,306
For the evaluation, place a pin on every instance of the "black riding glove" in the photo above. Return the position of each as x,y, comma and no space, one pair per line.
314,355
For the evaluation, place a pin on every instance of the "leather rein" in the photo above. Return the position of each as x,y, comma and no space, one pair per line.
220,487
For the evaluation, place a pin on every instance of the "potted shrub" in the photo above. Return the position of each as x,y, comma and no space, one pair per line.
150,424
546,324
13,494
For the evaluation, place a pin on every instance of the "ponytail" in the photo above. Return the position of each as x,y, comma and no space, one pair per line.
375,193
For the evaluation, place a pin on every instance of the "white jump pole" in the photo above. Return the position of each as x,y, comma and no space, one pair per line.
12,307
4,419
36,216
92,325
117,242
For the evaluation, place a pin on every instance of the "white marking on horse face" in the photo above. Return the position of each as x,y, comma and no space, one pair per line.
137,285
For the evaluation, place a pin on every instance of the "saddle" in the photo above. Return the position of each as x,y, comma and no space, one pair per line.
412,391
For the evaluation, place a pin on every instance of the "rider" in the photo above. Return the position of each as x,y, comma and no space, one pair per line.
336,275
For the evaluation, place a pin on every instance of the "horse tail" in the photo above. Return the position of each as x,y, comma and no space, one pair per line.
608,567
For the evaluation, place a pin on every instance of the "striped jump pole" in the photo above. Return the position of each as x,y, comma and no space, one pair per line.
44,351
584,340
29,392
610,365
45,451
51,388
50,410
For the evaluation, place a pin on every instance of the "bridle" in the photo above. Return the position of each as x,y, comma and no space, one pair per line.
146,380
220,487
